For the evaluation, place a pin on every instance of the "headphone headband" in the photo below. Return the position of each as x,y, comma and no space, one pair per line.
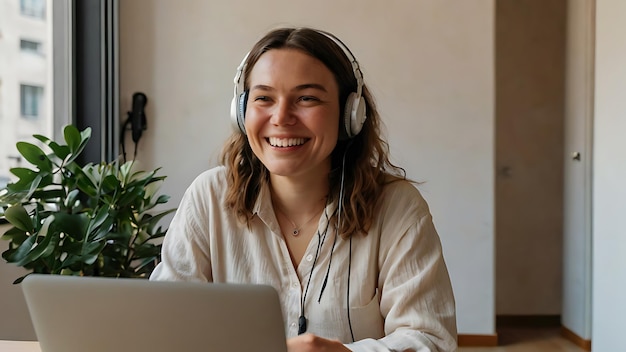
356,69
354,113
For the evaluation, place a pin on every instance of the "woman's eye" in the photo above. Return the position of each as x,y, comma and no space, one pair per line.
261,98
308,98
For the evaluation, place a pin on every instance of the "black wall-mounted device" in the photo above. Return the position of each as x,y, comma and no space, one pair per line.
137,115
137,121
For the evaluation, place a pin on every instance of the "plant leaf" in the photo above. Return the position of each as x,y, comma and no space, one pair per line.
20,279
70,260
72,138
85,135
162,199
84,182
104,230
34,185
34,155
60,151
18,217
79,141
46,246
23,250
145,261
11,197
73,225
110,183
71,199
152,221
91,251
98,219
15,235
44,139
24,174
50,195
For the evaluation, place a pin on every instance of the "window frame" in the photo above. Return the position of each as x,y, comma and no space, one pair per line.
96,85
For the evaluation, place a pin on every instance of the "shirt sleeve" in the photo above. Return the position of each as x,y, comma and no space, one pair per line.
185,255
416,293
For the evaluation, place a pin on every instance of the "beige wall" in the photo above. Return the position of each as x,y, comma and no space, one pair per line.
429,64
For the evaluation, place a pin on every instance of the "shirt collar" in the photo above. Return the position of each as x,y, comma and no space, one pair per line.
264,209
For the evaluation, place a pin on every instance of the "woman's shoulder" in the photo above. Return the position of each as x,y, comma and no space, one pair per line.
217,173
211,179
402,210
400,188
403,194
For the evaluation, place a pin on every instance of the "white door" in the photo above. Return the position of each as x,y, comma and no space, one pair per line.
576,312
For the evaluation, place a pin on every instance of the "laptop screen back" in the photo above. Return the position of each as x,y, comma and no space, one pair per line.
77,314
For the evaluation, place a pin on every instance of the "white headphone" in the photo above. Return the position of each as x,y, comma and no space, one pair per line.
354,114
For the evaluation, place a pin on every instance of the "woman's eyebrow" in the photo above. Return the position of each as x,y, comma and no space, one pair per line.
317,86
310,86
261,87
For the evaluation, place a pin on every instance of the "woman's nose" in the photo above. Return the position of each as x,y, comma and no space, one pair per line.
283,114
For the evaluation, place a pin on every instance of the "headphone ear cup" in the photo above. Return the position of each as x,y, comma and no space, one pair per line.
354,115
358,116
234,106
347,115
240,110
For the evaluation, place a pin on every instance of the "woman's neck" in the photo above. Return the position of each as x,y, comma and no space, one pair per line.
299,198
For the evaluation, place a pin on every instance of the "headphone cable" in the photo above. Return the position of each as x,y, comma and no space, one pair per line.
341,195
348,290
302,324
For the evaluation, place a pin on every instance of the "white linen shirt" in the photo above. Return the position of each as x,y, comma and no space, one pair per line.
399,290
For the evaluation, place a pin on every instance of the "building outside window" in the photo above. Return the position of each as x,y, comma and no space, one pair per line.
31,101
30,46
33,8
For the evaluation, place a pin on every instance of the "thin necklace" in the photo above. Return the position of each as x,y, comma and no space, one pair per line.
296,228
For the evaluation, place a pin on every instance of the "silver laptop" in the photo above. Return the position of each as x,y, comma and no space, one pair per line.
79,314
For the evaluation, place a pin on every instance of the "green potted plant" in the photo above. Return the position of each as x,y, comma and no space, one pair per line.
91,220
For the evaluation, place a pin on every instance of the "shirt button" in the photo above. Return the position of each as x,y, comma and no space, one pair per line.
309,258
295,285
293,325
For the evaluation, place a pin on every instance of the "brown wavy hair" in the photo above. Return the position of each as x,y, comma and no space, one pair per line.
367,166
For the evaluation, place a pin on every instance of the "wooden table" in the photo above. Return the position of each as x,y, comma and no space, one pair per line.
19,346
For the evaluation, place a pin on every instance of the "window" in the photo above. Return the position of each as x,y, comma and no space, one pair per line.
30,46
33,8
31,100
74,82
29,84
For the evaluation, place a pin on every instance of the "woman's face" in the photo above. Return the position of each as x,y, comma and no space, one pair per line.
292,115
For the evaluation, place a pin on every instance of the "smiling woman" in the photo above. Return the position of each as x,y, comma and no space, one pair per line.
369,274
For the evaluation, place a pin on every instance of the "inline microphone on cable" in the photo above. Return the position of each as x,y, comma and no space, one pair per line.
301,325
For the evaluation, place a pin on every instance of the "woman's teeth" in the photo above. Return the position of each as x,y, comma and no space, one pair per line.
285,142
